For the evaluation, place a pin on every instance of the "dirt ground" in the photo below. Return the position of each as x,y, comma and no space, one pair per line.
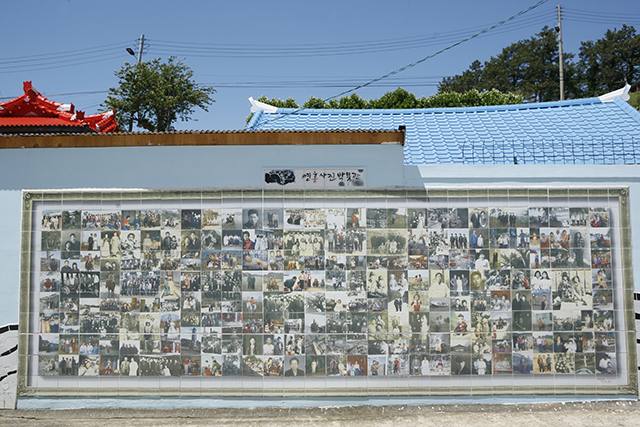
592,414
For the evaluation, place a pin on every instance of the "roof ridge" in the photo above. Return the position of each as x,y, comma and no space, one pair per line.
526,106
627,108
255,119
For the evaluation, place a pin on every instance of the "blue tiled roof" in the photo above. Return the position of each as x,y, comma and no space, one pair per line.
584,131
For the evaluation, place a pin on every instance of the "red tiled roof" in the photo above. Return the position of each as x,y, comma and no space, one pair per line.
37,121
103,122
33,109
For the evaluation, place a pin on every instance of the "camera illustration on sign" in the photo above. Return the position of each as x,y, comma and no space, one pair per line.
315,178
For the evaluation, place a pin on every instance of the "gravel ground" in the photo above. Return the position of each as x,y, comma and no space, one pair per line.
592,414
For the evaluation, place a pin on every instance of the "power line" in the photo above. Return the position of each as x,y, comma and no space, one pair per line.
590,17
255,47
332,49
594,14
259,85
600,21
106,52
63,59
113,51
67,54
90,106
80,92
335,82
338,82
59,64
413,64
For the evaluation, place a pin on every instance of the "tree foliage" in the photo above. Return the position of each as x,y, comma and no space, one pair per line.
530,68
399,98
402,99
611,62
635,100
352,102
277,102
155,94
525,70
470,98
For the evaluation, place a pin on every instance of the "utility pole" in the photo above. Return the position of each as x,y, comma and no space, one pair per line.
138,61
141,45
559,29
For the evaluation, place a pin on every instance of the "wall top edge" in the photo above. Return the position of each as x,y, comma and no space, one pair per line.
331,190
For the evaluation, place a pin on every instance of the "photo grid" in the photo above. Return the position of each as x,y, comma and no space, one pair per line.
321,292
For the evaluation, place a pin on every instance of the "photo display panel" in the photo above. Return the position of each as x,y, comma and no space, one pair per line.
363,292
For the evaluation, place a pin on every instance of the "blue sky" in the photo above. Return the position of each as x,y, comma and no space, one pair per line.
70,49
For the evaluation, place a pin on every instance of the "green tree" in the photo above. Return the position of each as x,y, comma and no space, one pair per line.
529,68
402,99
277,102
611,62
470,98
469,79
154,94
399,98
314,102
352,101
635,100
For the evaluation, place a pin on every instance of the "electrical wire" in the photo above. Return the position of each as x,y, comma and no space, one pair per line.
170,47
80,92
332,49
594,14
574,15
336,82
70,58
256,47
107,52
94,105
413,64
339,82
111,51
59,64
64,54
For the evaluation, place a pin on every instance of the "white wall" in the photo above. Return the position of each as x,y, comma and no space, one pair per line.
160,167
242,166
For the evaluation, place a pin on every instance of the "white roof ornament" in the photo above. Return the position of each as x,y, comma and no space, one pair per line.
64,107
620,93
257,106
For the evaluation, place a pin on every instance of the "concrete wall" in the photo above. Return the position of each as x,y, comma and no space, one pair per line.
242,166
160,167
